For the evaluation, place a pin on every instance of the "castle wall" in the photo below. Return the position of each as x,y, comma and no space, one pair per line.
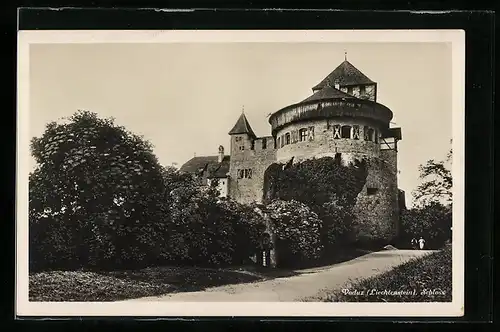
324,144
376,210
243,189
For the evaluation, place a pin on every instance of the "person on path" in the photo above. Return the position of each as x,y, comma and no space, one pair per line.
414,243
421,243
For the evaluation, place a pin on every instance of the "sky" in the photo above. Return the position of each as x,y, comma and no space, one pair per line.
185,97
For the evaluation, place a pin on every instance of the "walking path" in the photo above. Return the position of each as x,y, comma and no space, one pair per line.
305,286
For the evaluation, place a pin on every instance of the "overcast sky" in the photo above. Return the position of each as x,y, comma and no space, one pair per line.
184,98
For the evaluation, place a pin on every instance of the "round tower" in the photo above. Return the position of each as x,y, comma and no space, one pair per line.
343,119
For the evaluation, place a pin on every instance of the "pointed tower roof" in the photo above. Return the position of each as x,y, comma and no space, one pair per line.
344,74
242,127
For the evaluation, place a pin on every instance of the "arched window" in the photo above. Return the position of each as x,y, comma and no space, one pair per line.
346,132
279,142
287,138
303,134
375,134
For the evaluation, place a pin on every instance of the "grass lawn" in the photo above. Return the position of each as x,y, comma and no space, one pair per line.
121,285
425,279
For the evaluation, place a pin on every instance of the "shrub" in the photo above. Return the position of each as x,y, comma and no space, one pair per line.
96,197
210,230
432,221
297,231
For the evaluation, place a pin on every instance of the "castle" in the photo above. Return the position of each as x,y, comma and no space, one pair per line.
342,118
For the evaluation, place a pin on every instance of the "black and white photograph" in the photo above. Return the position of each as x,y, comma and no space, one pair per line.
240,173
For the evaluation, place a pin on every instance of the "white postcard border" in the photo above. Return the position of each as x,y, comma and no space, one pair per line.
261,309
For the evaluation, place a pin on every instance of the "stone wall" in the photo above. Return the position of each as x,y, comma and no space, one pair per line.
255,158
376,210
323,144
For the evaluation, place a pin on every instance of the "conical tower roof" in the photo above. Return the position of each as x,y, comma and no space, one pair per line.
242,126
344,74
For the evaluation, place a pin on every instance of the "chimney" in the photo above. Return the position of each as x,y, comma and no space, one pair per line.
221,153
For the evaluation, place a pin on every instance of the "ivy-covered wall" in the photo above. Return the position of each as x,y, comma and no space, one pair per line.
360,198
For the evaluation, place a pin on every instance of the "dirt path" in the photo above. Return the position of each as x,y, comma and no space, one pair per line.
305,286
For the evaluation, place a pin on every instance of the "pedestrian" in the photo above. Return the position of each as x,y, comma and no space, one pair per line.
414,243
421,243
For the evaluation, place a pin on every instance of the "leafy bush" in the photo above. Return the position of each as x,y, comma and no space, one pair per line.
432,221
297,231
96,198
424,279
99,198
209,230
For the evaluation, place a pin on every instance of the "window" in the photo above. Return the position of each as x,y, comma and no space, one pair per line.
370,134
238,138
375,134
264,144
245,173
355,132
287,138
282,140
371,191
349,90
356,91
311,133
346,132
253,145
279,142
303,134
242,147
336,131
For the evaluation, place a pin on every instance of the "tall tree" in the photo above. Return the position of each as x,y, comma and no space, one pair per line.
437,182
96,195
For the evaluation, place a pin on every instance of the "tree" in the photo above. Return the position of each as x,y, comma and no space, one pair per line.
431,216
96,196
209,230
437,182
297,231
431,221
